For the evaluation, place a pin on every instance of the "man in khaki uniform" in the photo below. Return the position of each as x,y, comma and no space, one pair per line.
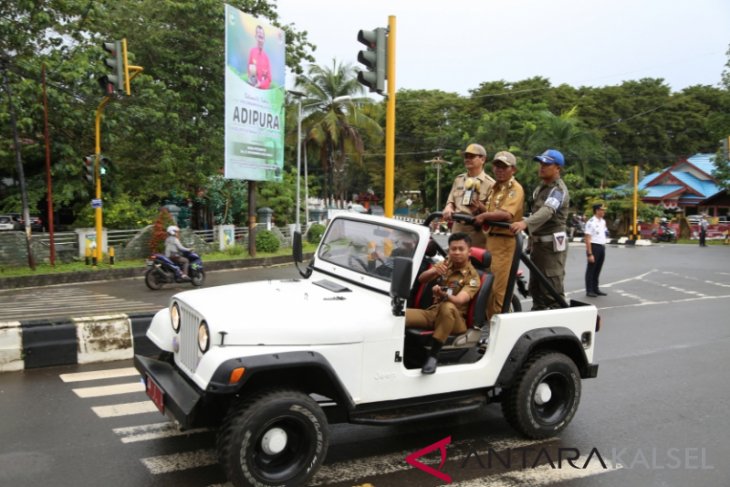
504,204
548,237
456,284
469,192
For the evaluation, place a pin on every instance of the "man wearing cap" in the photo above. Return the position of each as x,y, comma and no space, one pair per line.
546,224
504,204
595,239
469,193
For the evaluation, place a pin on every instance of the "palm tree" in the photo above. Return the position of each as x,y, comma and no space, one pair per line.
333,120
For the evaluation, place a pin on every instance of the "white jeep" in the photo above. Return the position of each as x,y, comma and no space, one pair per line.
271,363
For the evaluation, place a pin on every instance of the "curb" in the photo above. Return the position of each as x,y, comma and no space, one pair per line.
107,274
44,343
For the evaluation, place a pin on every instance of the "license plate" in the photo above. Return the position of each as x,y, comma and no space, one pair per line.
155,393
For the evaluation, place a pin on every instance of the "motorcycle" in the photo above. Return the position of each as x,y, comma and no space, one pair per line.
161,270
664,234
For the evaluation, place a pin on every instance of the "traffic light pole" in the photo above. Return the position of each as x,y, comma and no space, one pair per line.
389,196
97,177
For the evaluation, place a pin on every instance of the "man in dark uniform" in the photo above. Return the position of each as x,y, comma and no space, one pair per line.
469,192
456,284
546,224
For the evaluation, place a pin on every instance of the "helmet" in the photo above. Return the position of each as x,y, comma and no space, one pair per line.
664,220
172,230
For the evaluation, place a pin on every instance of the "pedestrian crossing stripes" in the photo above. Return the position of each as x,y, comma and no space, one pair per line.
355,471
54,302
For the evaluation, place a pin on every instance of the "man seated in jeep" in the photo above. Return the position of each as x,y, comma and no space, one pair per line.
456,283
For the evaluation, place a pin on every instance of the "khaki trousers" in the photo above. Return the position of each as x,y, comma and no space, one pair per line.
444,318
502,249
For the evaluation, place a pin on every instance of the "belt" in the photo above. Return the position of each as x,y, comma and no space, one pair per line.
542,238
500,235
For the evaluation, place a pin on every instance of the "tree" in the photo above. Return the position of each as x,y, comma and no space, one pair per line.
335,126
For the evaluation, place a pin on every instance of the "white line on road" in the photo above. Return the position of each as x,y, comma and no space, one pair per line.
542,475
125,409
179,461
156,431
99,374
109,390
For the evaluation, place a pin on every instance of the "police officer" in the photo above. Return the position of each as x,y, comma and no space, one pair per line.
456,284
505,204
546,224
469,192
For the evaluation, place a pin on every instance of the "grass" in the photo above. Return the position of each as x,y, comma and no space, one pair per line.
80,266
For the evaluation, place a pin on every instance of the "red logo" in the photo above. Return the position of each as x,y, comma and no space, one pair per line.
441,446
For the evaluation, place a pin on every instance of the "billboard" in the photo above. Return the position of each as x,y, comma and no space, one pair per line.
254,98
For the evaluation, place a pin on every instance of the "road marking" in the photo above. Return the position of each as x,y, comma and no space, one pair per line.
542,475
179,461
126,409
156,431
109,390
99,374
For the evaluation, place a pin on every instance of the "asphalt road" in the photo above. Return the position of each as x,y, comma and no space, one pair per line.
655,416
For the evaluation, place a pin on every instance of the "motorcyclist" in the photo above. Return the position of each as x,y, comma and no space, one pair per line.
174,249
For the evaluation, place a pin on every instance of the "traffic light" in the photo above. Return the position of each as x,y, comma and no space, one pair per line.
116,63
374,58
89,168
105,166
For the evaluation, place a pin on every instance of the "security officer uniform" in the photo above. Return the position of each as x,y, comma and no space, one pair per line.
456,201
548,241
445,317
509,197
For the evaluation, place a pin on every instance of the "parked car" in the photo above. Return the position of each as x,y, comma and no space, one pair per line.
6,222
36,224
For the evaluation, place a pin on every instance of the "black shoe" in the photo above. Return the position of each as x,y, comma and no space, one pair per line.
601,293
592,295
429,366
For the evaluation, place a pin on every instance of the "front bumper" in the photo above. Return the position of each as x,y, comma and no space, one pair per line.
180,399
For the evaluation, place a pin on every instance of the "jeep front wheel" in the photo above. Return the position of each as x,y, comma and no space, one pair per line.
544,397
276,438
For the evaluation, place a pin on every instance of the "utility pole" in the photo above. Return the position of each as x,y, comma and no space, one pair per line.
438,162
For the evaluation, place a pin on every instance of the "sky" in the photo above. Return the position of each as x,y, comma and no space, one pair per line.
455,45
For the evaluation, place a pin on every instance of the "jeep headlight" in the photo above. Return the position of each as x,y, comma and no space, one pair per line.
175,317
203,336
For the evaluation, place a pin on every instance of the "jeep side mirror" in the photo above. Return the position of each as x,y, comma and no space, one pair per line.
400,283
296,247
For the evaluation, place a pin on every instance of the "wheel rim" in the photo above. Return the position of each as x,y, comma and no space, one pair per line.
552,398
281,449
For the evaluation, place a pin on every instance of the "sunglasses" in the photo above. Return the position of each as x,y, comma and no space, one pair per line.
471,156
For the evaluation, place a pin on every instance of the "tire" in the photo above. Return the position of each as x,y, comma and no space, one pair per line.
263,422
197,277
150,278
524,409
515,305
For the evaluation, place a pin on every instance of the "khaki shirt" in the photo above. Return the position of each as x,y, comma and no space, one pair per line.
456,196
510,197
549,209
465,279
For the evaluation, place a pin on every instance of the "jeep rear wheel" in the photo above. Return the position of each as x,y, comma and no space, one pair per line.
544,397
276,438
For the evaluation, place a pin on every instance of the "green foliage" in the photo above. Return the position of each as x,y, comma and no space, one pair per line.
159,231
314,235
234,250
120,213
266,241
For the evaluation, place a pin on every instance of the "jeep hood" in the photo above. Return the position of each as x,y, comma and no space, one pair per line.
286,312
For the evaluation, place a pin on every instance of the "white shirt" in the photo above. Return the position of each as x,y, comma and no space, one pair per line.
596,228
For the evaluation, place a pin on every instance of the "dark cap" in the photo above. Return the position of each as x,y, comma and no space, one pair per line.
551,156
597,206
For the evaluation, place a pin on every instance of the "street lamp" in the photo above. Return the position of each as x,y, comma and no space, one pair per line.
299,95
438,162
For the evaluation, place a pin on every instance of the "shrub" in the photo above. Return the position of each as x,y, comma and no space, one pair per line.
159,231
266,241
235,250
314,235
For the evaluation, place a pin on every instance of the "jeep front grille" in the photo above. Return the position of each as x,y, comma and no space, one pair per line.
189,355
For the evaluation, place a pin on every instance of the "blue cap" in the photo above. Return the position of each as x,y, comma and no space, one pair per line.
551,156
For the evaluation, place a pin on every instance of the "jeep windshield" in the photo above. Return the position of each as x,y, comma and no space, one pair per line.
366,247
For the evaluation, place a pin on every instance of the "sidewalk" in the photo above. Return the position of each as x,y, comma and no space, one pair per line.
107,274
